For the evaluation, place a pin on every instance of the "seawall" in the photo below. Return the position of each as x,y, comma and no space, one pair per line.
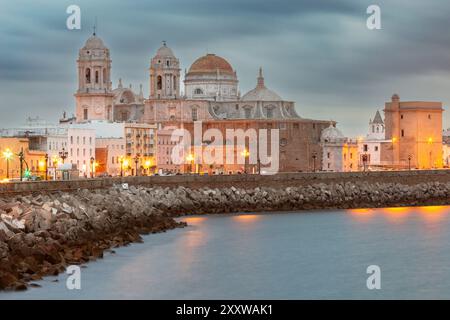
280,180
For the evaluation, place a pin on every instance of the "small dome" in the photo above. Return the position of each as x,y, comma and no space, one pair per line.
210,64
261,93
94,42
331,134
164,51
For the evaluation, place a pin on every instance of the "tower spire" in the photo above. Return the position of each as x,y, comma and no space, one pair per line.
95,26
261,78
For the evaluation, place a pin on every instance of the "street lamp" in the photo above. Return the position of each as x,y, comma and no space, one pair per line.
246,155
365,157
190,159
121,165
147,165
136,162
314,157
46,166
92,166
126,164
63,154
7,154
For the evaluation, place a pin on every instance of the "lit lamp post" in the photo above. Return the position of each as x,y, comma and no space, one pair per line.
46,166
136,162
365,157
246,155
92,166
190,159
314,157
121,165
430,142
147,165
7,154
126,163
63,154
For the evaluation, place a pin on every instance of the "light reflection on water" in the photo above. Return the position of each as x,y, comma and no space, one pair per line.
320,254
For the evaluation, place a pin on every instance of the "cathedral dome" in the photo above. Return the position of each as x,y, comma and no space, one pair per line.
210,63
261,92
331,134
94,42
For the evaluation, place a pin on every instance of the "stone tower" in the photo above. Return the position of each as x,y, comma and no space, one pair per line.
164,74
94,98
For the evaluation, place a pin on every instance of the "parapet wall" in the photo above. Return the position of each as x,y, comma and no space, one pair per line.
244,181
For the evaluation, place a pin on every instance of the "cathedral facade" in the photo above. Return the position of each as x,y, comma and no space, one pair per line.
211,99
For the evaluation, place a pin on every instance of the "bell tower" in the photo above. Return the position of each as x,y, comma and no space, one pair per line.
164,74
94,96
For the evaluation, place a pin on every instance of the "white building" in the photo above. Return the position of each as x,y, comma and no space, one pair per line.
68,143
370,146
126,140
340,154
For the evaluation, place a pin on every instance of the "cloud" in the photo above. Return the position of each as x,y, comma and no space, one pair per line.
318,53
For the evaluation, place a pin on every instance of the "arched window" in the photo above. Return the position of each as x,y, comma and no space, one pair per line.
159,83
174,82
88,75
378,129
198,91
194,114
96,77
85,114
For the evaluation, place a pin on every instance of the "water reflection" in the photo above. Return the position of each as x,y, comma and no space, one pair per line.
400,214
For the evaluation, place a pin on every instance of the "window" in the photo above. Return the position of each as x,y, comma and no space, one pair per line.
269,113
429,116
194,114
351,155
373,129
96,77
248,113
90,140
403,133
401,116
296,126
71,139
78,140
366,148
159,83
168,63
85,114
84,140
328,157
112,160
198,91
174,83
88,75
376,148
104,75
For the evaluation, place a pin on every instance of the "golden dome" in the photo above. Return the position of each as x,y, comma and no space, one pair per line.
209,64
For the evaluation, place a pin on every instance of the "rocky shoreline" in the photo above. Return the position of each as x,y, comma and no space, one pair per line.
42,234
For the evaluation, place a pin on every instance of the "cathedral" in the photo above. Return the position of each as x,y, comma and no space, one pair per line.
211,97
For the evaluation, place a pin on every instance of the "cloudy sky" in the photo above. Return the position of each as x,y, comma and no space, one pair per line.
318,53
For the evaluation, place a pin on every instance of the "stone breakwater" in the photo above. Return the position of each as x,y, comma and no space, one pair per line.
42,234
